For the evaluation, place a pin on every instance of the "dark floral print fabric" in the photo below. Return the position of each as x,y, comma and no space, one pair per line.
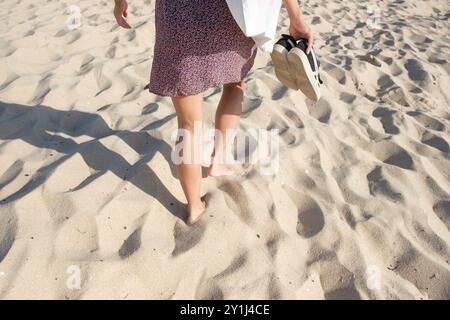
198,45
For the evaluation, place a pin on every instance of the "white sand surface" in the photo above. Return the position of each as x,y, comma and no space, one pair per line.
359,209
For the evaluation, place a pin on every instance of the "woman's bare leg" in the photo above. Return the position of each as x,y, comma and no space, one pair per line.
189,110
227,119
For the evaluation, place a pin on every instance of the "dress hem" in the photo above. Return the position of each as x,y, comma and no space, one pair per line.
203,89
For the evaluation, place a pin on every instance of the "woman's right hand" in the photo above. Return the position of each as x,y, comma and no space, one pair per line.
121,12
299,29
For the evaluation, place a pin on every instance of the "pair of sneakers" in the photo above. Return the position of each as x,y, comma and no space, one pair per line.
296,69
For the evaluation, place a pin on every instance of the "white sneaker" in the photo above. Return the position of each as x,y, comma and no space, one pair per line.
296,69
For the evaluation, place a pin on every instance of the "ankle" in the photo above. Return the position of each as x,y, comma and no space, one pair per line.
221,159
195,205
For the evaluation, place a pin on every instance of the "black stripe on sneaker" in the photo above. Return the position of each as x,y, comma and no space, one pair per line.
314,62
287,41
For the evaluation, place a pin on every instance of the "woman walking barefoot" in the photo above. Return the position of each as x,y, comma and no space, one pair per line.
198,45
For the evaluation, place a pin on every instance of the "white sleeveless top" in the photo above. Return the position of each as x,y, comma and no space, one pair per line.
257,19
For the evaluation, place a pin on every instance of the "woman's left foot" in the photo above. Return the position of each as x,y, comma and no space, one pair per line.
218,170
196,212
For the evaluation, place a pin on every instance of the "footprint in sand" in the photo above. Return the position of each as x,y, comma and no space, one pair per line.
379,185
310,221
416,72
294,118
237,200
387,120
250,106
291,139
401,159
150,108
289,136
320,110
316,20
436,142
427,121
186,237
442,210
337,281
373,60
347,97
310,216
335,72
279,92
391,153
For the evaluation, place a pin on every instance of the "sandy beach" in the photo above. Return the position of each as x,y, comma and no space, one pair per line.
91,208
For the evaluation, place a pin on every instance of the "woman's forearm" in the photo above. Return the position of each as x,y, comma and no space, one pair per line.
293,9
298,28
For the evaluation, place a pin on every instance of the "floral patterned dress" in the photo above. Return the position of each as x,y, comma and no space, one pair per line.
198,45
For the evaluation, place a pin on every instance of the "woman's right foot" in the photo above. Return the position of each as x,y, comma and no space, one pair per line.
218,170
195,212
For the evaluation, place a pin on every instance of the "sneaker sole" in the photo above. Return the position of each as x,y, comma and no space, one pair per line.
281,67
304,77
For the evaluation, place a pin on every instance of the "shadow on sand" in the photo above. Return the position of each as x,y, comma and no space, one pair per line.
45,127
